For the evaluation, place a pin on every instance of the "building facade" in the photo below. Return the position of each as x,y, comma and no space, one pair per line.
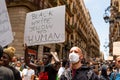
78,27
114,24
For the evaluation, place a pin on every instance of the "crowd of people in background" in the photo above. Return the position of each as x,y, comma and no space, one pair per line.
75,67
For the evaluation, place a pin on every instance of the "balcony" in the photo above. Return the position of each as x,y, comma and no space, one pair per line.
74,10
117,38
68,27
81,33
53,2
69,11
63,2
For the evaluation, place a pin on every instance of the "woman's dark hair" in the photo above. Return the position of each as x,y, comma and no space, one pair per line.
104,71
1,51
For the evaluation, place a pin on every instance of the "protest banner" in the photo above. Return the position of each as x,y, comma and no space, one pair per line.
45,26
6,36
116,48
110,58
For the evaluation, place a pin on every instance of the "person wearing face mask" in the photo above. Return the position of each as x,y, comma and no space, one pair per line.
78,70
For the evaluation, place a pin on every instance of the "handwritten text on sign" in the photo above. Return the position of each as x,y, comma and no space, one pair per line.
45,26
5,26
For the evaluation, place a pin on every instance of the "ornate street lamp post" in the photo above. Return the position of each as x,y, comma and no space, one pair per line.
112,16
106,16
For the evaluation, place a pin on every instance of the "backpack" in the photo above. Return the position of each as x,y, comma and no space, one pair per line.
89,74
66,75
92,75
102,77
63,77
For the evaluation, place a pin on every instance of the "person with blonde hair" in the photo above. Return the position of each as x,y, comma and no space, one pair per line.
5,73
8,54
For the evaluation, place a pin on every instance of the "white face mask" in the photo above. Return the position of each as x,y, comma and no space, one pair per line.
73,57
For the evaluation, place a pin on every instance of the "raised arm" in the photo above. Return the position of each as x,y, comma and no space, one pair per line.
27,59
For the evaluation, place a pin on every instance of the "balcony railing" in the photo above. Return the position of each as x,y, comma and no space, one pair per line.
69,10
53,2
63,1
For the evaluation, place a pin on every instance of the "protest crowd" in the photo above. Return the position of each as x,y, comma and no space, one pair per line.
50,67
40,28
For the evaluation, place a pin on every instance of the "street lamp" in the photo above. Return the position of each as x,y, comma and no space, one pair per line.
113,17
106,16
106,45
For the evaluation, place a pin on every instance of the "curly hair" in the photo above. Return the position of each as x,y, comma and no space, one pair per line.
10,51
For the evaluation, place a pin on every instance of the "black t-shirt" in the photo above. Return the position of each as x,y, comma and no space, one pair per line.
16,73
52,73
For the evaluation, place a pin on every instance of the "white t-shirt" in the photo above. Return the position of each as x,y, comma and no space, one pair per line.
27,73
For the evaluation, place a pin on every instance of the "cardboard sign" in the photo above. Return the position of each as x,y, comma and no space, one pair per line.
6,36
45,26
110,58
116,48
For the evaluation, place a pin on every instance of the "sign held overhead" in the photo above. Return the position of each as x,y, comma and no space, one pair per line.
116,48
6,36
45,26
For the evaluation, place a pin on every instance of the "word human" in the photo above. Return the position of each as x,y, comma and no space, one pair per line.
44,38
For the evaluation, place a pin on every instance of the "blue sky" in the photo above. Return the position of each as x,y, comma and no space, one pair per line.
97,10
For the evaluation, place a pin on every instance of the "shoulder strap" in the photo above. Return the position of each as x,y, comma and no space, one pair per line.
102,77
89,74
67,75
